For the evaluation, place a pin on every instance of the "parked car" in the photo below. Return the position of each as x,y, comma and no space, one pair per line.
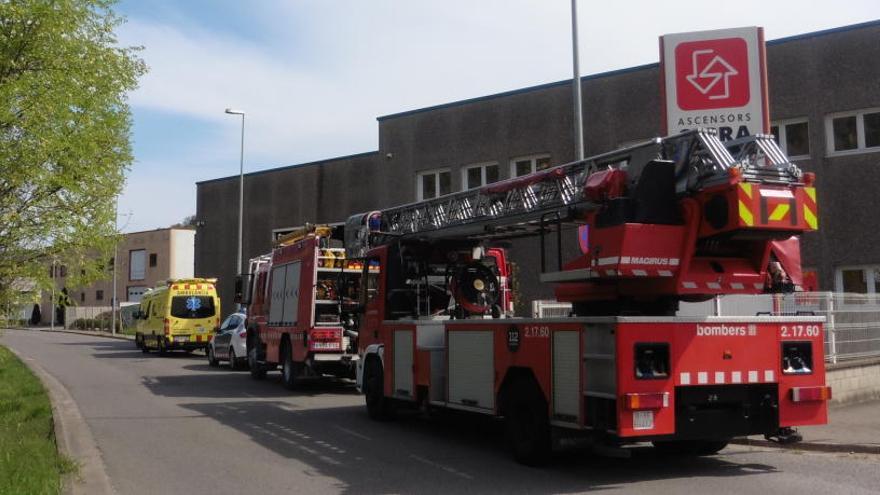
229,342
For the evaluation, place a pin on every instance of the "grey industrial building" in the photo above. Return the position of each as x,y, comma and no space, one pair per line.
824,105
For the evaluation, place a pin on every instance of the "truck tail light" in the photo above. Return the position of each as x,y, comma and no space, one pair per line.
651,361
810,394
167,324
637,402
797,358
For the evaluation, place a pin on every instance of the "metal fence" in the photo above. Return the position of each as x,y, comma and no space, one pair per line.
852,321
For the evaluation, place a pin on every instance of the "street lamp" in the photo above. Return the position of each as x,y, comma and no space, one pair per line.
576,86
231,111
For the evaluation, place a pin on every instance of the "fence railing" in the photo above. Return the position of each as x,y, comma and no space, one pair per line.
852,321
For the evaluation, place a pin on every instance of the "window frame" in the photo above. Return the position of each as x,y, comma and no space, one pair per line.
782,141
869,271
131,273
436,173
482,166
860,132
534,165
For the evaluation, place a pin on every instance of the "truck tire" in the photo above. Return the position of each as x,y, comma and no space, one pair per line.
379,407
212,359
691,447
527,425
258,371
290,370
160,346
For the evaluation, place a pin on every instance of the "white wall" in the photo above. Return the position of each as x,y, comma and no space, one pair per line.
182,253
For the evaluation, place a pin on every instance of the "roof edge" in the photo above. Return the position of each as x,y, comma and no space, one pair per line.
600,75
286,167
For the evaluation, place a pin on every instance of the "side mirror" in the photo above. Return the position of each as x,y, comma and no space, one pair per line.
243,284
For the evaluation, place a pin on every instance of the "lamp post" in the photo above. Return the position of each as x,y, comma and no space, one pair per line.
576,86
231,111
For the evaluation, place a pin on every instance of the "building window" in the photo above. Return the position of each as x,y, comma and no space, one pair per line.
853,132
479,175
137,260
99,295
793,136
858,279
433,184
153,259
526,165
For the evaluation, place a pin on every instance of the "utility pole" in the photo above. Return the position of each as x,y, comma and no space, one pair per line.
576,86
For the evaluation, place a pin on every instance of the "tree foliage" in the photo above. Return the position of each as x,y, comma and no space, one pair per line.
64,137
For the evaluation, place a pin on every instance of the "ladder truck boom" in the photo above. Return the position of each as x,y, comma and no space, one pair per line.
716,208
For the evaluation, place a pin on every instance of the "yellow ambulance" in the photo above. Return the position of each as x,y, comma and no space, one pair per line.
180,314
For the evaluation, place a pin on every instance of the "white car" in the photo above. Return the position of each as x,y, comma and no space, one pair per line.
229,342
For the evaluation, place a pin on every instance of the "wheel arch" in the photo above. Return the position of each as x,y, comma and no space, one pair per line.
518,377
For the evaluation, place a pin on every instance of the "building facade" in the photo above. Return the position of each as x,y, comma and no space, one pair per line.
824,108
143,259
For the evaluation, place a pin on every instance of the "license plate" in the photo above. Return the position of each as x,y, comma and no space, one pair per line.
325,345
181,338
200,329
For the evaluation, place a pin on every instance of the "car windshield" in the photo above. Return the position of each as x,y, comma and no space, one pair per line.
192,306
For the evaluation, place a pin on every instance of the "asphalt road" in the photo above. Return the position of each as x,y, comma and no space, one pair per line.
176,425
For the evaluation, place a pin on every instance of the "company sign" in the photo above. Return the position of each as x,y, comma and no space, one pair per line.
715,79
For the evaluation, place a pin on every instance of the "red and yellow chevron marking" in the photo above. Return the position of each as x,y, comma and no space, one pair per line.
811,216
746,216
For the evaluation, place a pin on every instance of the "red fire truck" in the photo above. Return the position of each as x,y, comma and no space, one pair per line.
682,218
298,298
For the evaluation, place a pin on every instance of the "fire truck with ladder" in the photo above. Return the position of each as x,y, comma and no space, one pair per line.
680,218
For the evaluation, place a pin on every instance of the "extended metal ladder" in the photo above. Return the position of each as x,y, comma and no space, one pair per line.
520,206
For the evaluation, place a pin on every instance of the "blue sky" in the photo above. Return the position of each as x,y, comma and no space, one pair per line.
313,75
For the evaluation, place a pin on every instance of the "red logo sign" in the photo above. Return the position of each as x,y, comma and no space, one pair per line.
712,74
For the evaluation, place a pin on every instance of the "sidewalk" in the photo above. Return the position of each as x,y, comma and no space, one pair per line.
851,428
93,333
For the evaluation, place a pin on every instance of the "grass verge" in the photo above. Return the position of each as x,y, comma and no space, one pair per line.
29,458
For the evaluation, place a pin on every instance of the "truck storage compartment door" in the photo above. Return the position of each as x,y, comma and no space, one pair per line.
403,364
472,368
291,294
566,375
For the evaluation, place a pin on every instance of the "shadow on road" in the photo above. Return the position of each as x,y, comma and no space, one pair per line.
451,454
224,383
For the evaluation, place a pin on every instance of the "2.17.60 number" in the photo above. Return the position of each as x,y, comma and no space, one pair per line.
799,331
539,331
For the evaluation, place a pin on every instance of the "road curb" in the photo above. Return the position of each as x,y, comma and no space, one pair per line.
811,446
73,437
81,332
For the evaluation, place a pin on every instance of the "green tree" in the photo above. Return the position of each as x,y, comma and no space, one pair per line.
64,137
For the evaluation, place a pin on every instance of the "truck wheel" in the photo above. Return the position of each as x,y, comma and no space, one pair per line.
258,371
212,359
527,425
139,340
289,369
379,407
691,447
160,343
